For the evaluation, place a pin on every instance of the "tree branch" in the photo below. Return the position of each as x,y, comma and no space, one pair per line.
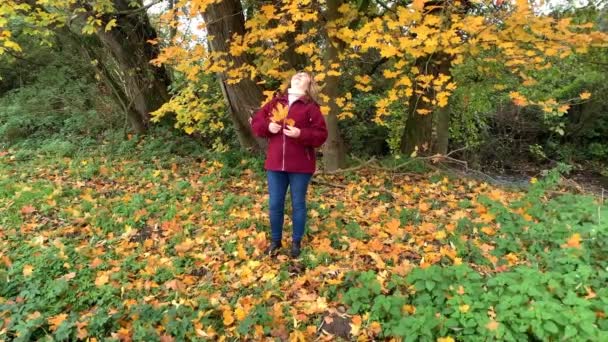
136,10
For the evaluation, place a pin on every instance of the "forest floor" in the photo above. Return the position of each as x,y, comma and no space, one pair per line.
163,247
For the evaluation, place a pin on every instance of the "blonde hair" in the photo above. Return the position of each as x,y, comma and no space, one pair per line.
313,88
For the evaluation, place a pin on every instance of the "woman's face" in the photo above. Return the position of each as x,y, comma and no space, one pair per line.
300,81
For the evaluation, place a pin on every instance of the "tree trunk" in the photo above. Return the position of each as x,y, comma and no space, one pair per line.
418,131
334,152
417,134
442,138
223,20
144,84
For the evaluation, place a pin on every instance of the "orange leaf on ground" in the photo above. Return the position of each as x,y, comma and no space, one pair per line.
56,321
573,242
492,325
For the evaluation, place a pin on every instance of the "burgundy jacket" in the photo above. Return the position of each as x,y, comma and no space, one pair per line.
292,154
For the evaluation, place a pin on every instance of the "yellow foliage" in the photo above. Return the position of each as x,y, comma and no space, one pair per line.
413,31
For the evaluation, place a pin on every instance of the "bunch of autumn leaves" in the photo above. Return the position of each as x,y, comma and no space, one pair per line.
279,114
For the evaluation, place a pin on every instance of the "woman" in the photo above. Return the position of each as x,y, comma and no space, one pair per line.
290,157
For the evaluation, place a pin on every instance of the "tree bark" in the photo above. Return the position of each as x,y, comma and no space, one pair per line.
144,84
442,139
224,19
418,131
417,134
334,153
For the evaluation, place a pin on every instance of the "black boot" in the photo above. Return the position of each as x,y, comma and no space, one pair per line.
274,247
295,249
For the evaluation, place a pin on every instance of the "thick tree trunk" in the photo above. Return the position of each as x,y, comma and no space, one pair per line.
442,115
417,134
442,127
223,20
92,49
144,84
334,152
418,131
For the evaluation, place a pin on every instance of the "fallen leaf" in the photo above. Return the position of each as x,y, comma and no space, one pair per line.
28,209
102,279
166,338
34,315
184,246
492,325
590,293
228,317
55,321
69,276
410,309
27,270
573,242
175,285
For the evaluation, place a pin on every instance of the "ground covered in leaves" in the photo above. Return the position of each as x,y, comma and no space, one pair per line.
171,248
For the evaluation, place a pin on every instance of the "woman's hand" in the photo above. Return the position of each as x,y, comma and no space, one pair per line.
292,131
273,127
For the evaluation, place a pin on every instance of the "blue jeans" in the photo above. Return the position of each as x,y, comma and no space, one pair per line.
277,188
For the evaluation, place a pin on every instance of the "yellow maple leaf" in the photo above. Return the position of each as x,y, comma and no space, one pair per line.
228,317
440,235
458,215
486,218
111,24
240,313
290,122
268,11
393,226
279,113
488,230
518,99
102,279
512,258
55,321
27,270
184,246
410,309
418,4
